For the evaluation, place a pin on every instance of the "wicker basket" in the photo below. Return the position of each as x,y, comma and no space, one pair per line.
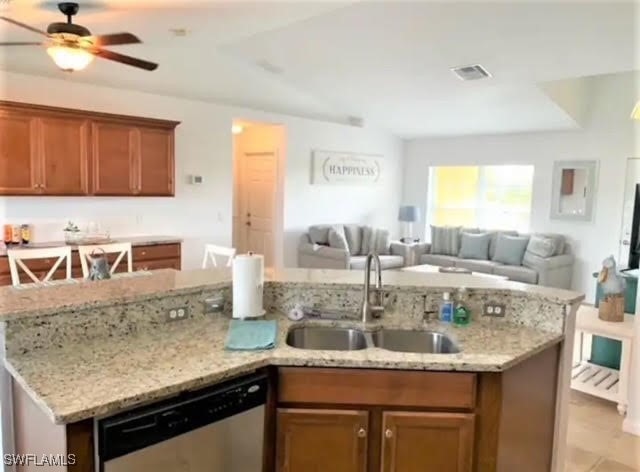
611,308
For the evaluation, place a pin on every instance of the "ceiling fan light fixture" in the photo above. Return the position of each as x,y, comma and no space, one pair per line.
69,58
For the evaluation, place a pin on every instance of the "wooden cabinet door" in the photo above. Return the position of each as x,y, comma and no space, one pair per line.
321,440
18,154
419,442
64,145
156,162
114,155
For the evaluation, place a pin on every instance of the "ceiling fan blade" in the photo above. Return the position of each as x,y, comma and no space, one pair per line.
22,25
21,44
128,60
111,39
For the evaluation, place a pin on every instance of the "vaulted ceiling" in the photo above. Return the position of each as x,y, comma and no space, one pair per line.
386,62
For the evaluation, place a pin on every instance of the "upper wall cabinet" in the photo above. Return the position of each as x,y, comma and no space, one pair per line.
56,151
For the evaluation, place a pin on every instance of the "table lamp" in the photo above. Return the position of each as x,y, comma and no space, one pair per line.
409,214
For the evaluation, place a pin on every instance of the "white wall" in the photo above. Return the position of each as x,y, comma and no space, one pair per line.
608,138
204,147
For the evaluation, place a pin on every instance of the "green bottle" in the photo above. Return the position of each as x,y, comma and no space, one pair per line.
461,315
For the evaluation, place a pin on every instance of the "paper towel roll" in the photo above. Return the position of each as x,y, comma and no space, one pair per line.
248,284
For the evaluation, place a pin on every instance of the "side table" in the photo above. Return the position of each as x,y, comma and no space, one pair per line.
596,380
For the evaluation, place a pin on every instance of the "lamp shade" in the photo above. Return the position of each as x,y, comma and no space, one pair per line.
409,213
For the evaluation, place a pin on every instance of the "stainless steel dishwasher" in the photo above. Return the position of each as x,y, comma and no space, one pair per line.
217,429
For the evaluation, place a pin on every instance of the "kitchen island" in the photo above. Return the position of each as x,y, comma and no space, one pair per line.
90,351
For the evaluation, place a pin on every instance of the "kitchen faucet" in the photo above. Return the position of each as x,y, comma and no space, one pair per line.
367,309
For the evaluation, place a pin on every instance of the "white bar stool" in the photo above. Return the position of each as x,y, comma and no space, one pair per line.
211,251
16,256
122,249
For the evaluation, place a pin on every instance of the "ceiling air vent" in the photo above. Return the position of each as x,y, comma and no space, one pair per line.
473,72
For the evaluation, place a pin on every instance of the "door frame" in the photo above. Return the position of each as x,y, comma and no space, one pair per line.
239,154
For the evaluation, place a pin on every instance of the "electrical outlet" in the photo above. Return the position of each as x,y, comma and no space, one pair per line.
496,310
177,314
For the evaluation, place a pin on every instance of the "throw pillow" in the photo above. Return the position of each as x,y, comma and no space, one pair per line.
375,240
319,234
337,238
541,246
474,246
445,240
510,249
353,233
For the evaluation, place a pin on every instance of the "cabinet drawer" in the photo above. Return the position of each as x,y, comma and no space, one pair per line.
160,251
377,387
157,264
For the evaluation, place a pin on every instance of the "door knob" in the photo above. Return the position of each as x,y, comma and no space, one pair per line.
388,433
362,433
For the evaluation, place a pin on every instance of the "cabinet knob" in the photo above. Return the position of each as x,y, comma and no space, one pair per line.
248,223
388,433
362,433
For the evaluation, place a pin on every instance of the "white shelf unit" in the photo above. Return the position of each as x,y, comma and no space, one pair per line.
593,379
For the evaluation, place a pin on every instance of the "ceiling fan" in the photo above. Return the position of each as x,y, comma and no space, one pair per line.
72,47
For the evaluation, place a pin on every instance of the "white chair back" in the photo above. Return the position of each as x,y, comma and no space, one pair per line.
122,249
16,256
211,251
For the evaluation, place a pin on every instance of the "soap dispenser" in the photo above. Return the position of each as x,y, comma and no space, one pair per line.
461,315
446,308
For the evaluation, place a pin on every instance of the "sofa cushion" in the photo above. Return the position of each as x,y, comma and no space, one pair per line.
375,240
510,249
439,260
353,233
445,240
337,238
386,262
319,234
558,240
517,273
542,246
484,266
494,238
474,246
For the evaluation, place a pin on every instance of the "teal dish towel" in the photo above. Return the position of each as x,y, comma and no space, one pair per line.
247,335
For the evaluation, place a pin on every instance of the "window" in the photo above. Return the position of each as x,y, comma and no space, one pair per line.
491,197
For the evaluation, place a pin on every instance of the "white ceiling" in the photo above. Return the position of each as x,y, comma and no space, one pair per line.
386,62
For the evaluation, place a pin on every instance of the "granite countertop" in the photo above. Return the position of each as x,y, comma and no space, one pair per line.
83,295
134,240
84,380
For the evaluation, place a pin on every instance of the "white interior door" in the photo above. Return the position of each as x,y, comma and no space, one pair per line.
257,217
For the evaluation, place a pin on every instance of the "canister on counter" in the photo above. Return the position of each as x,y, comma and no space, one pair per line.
25,233
8,234
15,234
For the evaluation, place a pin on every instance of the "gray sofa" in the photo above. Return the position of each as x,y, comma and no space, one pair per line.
315,251
555,270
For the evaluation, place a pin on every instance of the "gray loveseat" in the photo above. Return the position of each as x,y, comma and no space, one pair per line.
551,266
316,252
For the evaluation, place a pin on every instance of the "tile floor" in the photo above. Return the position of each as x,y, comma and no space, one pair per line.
596,442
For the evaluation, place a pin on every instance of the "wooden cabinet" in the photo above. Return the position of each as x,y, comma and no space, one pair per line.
155,164
18,154
154,257
63,150
114,149
416,441
57,151
331,440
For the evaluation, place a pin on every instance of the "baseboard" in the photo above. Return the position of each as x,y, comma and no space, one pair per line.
631,427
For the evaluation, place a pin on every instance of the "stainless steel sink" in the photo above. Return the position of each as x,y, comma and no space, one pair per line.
403,340
335,339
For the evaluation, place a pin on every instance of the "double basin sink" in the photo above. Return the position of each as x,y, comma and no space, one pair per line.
351,339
